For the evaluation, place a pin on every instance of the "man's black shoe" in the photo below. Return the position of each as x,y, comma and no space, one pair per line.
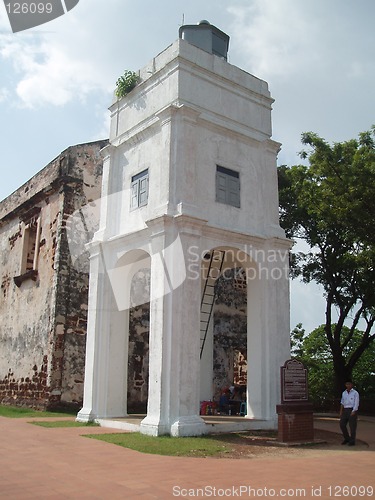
351,443
345,441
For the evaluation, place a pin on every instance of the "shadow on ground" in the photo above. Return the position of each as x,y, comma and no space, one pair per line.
258,444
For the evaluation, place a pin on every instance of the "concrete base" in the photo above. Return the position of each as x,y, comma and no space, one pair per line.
214,424
85,416
297,443
188,426
153,427
118,424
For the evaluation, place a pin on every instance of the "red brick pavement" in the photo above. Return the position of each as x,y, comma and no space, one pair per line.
58,463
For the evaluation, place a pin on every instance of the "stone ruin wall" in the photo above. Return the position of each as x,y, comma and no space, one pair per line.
82,169
26,312
43,322
230,333
138,356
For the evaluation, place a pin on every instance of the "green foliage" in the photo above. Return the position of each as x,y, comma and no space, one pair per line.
296,341
330,204
126,83
316,355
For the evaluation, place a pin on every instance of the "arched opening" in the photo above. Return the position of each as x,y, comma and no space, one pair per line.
224,356
230,337
139,334
131,286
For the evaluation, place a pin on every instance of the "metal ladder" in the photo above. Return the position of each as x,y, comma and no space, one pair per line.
208,295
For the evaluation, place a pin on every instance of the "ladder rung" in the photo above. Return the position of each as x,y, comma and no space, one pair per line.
208,298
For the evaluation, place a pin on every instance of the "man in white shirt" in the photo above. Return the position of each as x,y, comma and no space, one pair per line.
348,413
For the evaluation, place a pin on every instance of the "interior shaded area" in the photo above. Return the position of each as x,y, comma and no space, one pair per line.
229,357
139,333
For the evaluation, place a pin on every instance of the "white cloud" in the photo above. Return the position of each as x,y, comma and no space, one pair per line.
318,60
324,40
56,80
58,67
88,48
48,73
276,36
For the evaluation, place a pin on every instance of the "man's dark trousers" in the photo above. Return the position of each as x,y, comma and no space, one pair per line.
347,417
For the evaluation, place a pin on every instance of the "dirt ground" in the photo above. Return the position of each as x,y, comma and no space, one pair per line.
259,444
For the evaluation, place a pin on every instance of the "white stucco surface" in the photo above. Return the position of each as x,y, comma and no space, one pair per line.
191,112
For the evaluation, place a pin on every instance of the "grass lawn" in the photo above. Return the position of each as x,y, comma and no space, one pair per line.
63,423
166,445
17,412
219,445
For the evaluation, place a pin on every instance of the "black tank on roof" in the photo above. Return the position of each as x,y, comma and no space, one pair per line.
206,37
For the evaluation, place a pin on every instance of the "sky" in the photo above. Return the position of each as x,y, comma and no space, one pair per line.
57,80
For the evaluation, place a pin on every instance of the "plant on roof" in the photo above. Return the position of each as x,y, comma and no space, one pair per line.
126,83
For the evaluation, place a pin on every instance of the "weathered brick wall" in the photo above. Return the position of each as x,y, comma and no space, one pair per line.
139,325
295,425
43,322
240,368
26,311
230,333
138,364
31,391
81,169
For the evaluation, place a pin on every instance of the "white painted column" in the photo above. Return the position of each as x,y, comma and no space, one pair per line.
256,374
105,386
173,405
117,372
186,326
278,340
158,408
94,400
268,330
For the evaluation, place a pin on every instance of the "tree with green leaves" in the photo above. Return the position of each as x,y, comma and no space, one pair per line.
315,353
330,205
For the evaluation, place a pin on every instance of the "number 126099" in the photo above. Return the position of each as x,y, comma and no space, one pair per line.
29,8
350,491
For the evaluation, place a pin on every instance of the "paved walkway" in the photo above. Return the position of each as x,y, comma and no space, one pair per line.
58,463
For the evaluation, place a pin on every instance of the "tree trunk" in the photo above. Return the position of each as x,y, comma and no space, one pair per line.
343,373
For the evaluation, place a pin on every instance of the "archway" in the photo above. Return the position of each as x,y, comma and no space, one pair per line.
139,335
131,287
225,352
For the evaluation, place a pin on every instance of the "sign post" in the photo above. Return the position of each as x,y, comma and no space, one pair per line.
295,413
